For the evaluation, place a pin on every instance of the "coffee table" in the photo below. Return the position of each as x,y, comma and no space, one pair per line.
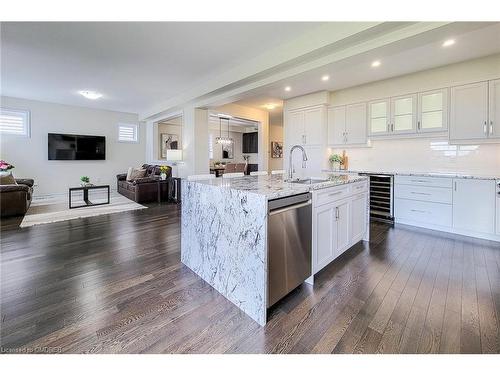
85,190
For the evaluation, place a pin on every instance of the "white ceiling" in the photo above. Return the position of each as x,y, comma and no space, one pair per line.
411,55
135,65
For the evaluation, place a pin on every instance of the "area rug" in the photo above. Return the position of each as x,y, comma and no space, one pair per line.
51,210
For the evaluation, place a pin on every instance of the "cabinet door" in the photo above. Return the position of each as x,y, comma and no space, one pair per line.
474,205
336,125
314,126
378,118
295,128
432,111
359,206
343,227
355,124
324,236
494,109
469,111
404,114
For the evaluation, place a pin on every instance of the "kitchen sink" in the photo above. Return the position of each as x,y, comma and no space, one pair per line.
309,181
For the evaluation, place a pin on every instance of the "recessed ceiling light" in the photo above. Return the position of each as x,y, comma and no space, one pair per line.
325,78
448,42
288,88
270,106
92,95
376,63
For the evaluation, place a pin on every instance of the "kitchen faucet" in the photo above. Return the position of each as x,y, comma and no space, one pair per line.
290,163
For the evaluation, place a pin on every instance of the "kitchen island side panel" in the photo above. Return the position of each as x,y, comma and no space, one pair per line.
224,241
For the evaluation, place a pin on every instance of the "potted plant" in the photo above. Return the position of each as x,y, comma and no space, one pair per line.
85,181
5,168
163,172
336,161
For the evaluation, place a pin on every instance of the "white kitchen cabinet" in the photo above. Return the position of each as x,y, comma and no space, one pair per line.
347,125
379,117
306,126
474,205
432,111
403,114
469,112
343,220
494,109
295,128
324,222
359,206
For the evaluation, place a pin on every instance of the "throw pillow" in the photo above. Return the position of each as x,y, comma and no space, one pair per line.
8,180
134,173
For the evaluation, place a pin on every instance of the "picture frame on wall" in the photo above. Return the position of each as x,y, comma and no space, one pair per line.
228,150
276,149
168,142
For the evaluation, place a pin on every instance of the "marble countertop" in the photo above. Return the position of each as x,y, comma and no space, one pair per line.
421,174
275,187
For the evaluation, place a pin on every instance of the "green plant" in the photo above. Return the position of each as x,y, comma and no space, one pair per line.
336,158
85,179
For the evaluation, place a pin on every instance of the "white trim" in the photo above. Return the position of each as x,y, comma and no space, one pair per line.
135,130
26,118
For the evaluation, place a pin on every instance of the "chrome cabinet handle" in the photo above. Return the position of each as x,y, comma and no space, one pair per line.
392,127
415,192
491,127
337,215
418,125
485,128
421,211
455,183
336,193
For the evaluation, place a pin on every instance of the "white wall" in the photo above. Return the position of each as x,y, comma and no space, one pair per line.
424,154
275,134
29,155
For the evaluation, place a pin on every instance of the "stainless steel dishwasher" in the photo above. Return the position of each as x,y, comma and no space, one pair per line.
289,231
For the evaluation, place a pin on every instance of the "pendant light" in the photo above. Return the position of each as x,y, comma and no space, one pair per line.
220,139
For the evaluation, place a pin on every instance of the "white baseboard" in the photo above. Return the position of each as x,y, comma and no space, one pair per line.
468,233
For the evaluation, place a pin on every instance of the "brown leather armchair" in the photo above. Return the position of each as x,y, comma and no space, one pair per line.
16,199
145,189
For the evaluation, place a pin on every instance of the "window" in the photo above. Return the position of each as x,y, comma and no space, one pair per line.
14,122
128,133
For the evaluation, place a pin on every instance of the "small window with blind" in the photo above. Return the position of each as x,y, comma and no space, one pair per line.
14,122
128,133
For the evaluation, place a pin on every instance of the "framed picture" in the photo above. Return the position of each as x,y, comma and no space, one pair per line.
276,149
168,142
228,150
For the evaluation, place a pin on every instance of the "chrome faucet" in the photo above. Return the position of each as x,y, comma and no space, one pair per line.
290,162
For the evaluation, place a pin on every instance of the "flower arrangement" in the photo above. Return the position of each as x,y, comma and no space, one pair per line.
4,166
85,180
336,160
163,169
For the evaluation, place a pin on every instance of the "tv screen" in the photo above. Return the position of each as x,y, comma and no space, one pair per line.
76,147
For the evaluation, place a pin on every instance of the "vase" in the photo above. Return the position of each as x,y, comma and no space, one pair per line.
163,176
335,166
5,173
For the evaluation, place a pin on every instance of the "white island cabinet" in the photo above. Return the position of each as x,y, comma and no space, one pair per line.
340,220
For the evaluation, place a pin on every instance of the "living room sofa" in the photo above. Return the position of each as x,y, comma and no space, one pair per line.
145,189
15,199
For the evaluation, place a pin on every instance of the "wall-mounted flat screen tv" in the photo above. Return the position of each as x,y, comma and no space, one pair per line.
76,147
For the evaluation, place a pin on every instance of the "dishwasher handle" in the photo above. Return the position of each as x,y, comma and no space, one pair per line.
288,208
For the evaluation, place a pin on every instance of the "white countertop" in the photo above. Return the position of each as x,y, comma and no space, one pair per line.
273,186
421,174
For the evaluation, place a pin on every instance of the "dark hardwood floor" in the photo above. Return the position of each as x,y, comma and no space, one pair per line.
115,284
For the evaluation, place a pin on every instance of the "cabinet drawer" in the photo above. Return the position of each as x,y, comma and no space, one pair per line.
424,181
424,212
359,187
331,194
424,193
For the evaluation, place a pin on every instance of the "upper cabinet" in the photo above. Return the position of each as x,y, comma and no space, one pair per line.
403,114
432,111
469,112
494,109
379,117
347,125
307,126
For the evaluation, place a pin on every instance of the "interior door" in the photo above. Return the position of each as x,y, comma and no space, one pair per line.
404,114
355,123
378,117
324,236
336,125
432,111
343,227
494,109
469,111
474,205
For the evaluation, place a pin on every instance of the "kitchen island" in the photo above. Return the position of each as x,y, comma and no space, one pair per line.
224,231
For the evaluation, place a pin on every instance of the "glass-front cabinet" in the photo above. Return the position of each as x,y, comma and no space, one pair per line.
432,111
404,114
378,117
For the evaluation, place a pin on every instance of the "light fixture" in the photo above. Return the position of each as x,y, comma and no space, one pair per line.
325,78
270,106
92,95
220,139
288,88
448,42
174,156
376,63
